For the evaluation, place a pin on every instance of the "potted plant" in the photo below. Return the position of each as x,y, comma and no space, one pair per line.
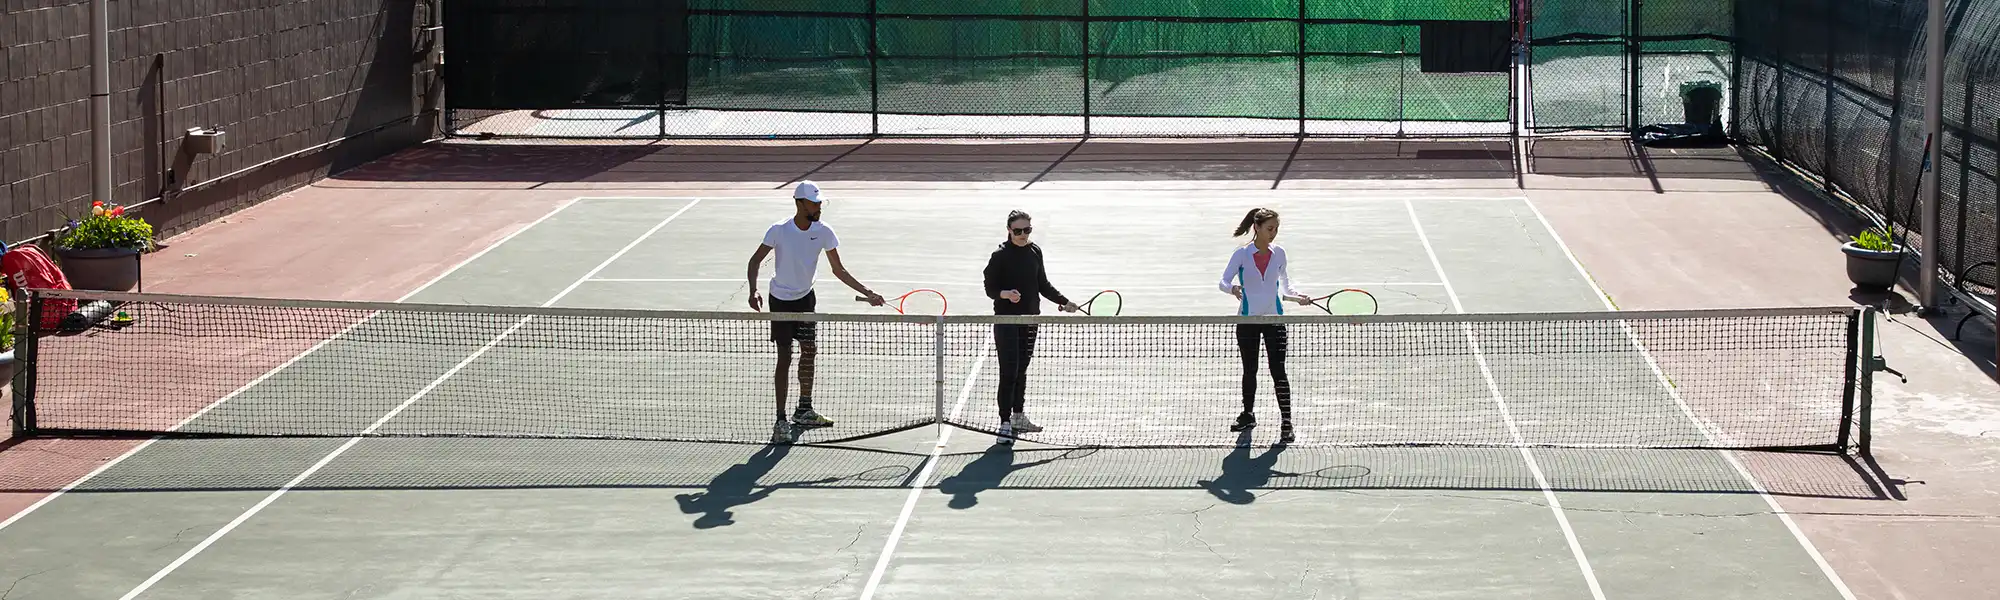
101,252
1873,260
6,337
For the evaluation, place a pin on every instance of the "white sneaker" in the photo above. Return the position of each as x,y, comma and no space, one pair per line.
781,432
1006,434
1022,424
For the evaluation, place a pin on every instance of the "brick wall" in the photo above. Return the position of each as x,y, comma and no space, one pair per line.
279,76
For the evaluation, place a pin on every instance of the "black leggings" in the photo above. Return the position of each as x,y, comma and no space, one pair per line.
1273,335
1017,346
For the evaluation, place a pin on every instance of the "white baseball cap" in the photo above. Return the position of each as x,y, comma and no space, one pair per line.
807,190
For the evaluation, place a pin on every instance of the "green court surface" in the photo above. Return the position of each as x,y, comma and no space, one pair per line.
933,511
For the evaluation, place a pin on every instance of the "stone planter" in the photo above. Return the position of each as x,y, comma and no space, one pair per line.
101,269
1872,270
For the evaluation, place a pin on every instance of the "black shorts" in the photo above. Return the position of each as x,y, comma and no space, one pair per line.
803,331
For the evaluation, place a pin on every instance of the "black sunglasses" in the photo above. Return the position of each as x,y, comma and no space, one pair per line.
1023,230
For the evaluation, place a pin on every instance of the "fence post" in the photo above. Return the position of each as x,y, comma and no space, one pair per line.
874,72
1085,11
1779,63
1634,62
1934,67
1302,68
1826,120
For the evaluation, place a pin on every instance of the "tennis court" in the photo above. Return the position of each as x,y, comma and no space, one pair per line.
1464,443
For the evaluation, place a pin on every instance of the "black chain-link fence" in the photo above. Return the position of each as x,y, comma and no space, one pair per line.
1836,87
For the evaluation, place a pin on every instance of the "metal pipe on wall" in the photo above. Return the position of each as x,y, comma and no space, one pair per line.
1934,45
100,100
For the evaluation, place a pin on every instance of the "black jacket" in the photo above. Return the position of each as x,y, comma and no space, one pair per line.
1019,268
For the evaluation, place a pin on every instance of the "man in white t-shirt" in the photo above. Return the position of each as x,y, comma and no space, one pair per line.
798,242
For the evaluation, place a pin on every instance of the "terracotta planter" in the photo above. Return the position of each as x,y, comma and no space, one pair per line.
102,269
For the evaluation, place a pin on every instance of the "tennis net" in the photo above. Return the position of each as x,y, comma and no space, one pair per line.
1778,379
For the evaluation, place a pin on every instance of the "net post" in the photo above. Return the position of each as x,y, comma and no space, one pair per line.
937,347
1847,392
24,362
1865,388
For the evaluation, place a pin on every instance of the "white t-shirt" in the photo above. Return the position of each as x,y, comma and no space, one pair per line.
797,256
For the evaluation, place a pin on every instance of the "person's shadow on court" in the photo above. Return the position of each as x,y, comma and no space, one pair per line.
1242,473
985,473
733,487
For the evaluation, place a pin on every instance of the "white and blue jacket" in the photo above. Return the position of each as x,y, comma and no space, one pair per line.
1261,289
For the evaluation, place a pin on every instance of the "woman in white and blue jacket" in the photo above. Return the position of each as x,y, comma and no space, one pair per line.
1257,276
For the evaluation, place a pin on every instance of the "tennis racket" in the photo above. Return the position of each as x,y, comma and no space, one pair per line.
917,302
1104,304
1346,302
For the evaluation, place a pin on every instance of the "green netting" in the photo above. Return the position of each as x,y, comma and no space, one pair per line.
1361,38
778,62
1668,18
978,7
1579,86
1410,10
1196,9
796,6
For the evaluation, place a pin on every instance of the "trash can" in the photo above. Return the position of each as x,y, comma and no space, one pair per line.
1701,103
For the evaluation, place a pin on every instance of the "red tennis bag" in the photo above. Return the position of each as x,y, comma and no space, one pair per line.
28,268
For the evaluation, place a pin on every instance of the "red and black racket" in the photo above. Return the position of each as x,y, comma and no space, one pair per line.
917,302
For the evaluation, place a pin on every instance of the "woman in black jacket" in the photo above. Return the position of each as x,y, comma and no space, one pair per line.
1016,282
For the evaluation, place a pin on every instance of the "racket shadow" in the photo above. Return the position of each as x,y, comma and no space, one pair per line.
991,469
733,487
1242,472
738,485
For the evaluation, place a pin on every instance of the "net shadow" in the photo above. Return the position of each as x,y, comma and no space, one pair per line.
719,478
1231,474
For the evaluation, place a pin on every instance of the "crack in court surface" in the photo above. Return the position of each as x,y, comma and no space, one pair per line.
854,566
17,581
177,538
1196,536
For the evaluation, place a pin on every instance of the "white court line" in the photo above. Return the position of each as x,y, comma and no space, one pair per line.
1555,504
274,495
917,486
972,284
1776,509
288,363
